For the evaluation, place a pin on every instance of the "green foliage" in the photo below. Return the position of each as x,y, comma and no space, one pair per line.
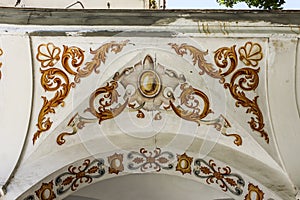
264,4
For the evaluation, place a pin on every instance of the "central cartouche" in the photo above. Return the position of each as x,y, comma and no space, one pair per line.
149,83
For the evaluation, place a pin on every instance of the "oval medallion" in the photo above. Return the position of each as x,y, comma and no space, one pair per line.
149,84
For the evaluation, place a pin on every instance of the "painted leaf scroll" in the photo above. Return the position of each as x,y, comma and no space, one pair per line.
150,88
243,80
56,79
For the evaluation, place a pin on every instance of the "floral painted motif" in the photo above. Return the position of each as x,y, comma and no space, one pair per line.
219,175
77,175
149,161
57,80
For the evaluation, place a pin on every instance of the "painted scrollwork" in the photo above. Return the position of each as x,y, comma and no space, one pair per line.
252,189
198,59
56,79
247,79
76,122
219,175
189,100
77,175
226,60
53,80
99,57
147,160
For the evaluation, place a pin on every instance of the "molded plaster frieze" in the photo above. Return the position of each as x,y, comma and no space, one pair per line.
208,171
243,80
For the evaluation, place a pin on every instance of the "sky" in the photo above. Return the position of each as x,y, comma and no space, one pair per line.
212,4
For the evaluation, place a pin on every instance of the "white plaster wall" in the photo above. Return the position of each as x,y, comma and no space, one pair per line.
15,100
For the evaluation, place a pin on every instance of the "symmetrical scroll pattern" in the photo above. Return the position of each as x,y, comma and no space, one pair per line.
76,175
56,79
219,175
145,92
148,160
242,80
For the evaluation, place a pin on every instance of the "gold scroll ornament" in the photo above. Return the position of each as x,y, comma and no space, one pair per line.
242,81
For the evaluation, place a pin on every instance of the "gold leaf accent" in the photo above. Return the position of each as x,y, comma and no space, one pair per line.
45,192
56,80
109,96
48,55
251,54
52,79
188,94
247,79
222,127
254,189
72,123
99,57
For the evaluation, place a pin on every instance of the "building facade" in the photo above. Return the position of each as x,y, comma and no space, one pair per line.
149,104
